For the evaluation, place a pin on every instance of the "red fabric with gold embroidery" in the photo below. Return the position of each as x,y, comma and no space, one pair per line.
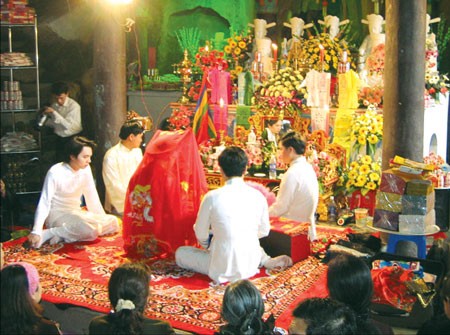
164,195
390,288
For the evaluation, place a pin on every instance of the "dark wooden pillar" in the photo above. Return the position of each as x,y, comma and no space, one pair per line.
109,82
404,80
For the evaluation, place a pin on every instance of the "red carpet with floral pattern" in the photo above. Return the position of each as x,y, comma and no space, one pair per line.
78,274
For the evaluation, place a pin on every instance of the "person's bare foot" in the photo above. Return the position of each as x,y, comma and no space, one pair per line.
55,240
279,262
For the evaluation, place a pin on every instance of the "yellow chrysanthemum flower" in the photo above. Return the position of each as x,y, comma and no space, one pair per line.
362,139
373,139
349,183
375,166
227,49
237,51
364,169
354,165
373,176
239,69
242,45
233,44
362,179
363,131
371,185
352,174
366,159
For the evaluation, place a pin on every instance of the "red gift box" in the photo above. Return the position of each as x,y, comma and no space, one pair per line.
357,200
287,237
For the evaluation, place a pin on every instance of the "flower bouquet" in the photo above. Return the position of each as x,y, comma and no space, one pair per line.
333,48
435,84
326,167
371,96
367,130
237,53
206,58
375,60
180,118
281,91
364,175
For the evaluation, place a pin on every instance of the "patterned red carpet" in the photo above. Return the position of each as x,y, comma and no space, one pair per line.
78,274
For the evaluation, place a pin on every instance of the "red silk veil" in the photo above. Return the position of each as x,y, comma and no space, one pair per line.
164,196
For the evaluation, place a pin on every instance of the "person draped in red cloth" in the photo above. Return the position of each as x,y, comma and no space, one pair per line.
164,196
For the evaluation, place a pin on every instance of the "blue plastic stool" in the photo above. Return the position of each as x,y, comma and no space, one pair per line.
420,240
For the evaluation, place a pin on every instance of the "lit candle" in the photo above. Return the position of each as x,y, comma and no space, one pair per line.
221,103
207,48
275,51
322,55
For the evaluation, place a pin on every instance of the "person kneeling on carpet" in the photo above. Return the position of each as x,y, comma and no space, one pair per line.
298,196
59,205
243,309
21,294
128,290
237,217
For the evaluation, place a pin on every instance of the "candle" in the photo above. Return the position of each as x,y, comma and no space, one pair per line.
258,56
322,52
221,103
322,55
275,51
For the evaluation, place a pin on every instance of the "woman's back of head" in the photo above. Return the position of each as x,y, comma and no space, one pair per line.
349,281
128,293
242,309
19,312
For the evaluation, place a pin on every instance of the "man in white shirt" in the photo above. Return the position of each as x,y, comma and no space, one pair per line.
298,196
236,215
64,117
120,163
59,205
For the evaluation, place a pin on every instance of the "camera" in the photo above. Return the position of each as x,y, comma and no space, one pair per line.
43,117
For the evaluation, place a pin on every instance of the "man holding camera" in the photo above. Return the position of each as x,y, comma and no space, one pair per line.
64,116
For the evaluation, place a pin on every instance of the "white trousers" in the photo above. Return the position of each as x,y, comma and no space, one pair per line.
81,225
197,260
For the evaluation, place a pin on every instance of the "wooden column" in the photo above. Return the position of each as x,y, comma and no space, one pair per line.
109,82
404,80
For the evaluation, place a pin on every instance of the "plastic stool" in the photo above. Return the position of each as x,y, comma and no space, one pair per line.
420,240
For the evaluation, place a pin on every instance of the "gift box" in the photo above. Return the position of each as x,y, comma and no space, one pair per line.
386,219
287,237
419,187
416,224
417,204
389,201
394,181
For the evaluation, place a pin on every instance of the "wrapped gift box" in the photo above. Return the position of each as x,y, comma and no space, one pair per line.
417,204
419,187
416,224
287,237
394,181
386,219
389,201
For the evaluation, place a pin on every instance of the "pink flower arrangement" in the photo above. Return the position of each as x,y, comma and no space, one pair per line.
375,61
371,96
254,155
269,195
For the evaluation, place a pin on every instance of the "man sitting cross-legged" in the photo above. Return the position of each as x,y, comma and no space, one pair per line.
236,215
